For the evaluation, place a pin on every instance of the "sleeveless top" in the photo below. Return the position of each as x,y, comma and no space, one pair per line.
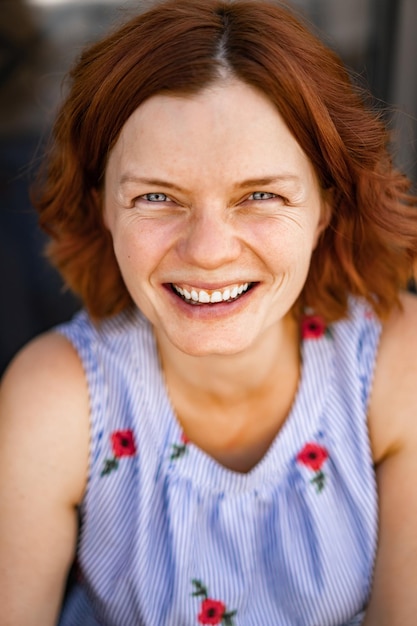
169,537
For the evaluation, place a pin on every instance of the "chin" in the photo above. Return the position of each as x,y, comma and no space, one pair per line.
210,348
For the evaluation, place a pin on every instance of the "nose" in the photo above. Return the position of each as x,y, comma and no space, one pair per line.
210,241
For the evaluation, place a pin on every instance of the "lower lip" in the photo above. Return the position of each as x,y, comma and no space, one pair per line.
213,310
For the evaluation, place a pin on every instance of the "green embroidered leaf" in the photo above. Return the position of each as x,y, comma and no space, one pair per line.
319,481
200,589
227,619
177,451
109,466
329,333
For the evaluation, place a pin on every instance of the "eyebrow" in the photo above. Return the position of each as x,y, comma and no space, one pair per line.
157,182
249,182
268,180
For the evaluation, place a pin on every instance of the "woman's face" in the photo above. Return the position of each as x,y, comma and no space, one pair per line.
214,211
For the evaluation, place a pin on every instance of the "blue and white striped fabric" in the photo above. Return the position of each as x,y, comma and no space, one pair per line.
171,538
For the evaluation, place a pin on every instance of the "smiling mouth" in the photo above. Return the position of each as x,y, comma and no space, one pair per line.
202,296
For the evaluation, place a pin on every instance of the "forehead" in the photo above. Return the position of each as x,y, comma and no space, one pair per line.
230,128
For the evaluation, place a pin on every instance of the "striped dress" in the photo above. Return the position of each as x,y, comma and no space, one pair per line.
169,537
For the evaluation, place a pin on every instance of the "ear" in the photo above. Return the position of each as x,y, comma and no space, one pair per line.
326,213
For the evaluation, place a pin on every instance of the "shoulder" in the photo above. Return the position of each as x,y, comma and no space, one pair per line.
44,441
44,406
393,431
393,406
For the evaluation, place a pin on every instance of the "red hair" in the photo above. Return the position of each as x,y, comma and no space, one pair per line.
182,46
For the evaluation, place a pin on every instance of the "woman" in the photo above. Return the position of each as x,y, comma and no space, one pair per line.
231,420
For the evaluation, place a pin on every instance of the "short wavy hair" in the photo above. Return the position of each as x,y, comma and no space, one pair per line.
182,46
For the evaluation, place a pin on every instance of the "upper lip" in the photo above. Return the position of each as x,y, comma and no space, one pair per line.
210,286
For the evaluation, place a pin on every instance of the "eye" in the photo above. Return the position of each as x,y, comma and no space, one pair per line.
154,197
262,195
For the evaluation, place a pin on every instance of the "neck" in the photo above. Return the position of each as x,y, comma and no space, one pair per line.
232,407
232,378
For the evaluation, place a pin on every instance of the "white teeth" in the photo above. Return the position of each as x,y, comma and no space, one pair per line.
204,297
216,296
226,295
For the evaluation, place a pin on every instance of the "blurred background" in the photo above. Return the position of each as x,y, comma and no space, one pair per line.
39,39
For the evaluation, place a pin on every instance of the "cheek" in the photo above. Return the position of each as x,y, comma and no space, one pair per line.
140,246
130,252
289,241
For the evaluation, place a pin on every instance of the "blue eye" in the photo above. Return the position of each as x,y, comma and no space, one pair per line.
262,195
155,197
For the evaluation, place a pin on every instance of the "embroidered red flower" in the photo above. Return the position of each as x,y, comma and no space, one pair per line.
211,612
313,456
123,445
313,327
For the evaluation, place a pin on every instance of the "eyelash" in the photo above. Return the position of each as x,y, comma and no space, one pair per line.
147,196
263,193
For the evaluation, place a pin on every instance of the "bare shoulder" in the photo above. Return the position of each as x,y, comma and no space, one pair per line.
44,440
393,407
393,430
44,405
